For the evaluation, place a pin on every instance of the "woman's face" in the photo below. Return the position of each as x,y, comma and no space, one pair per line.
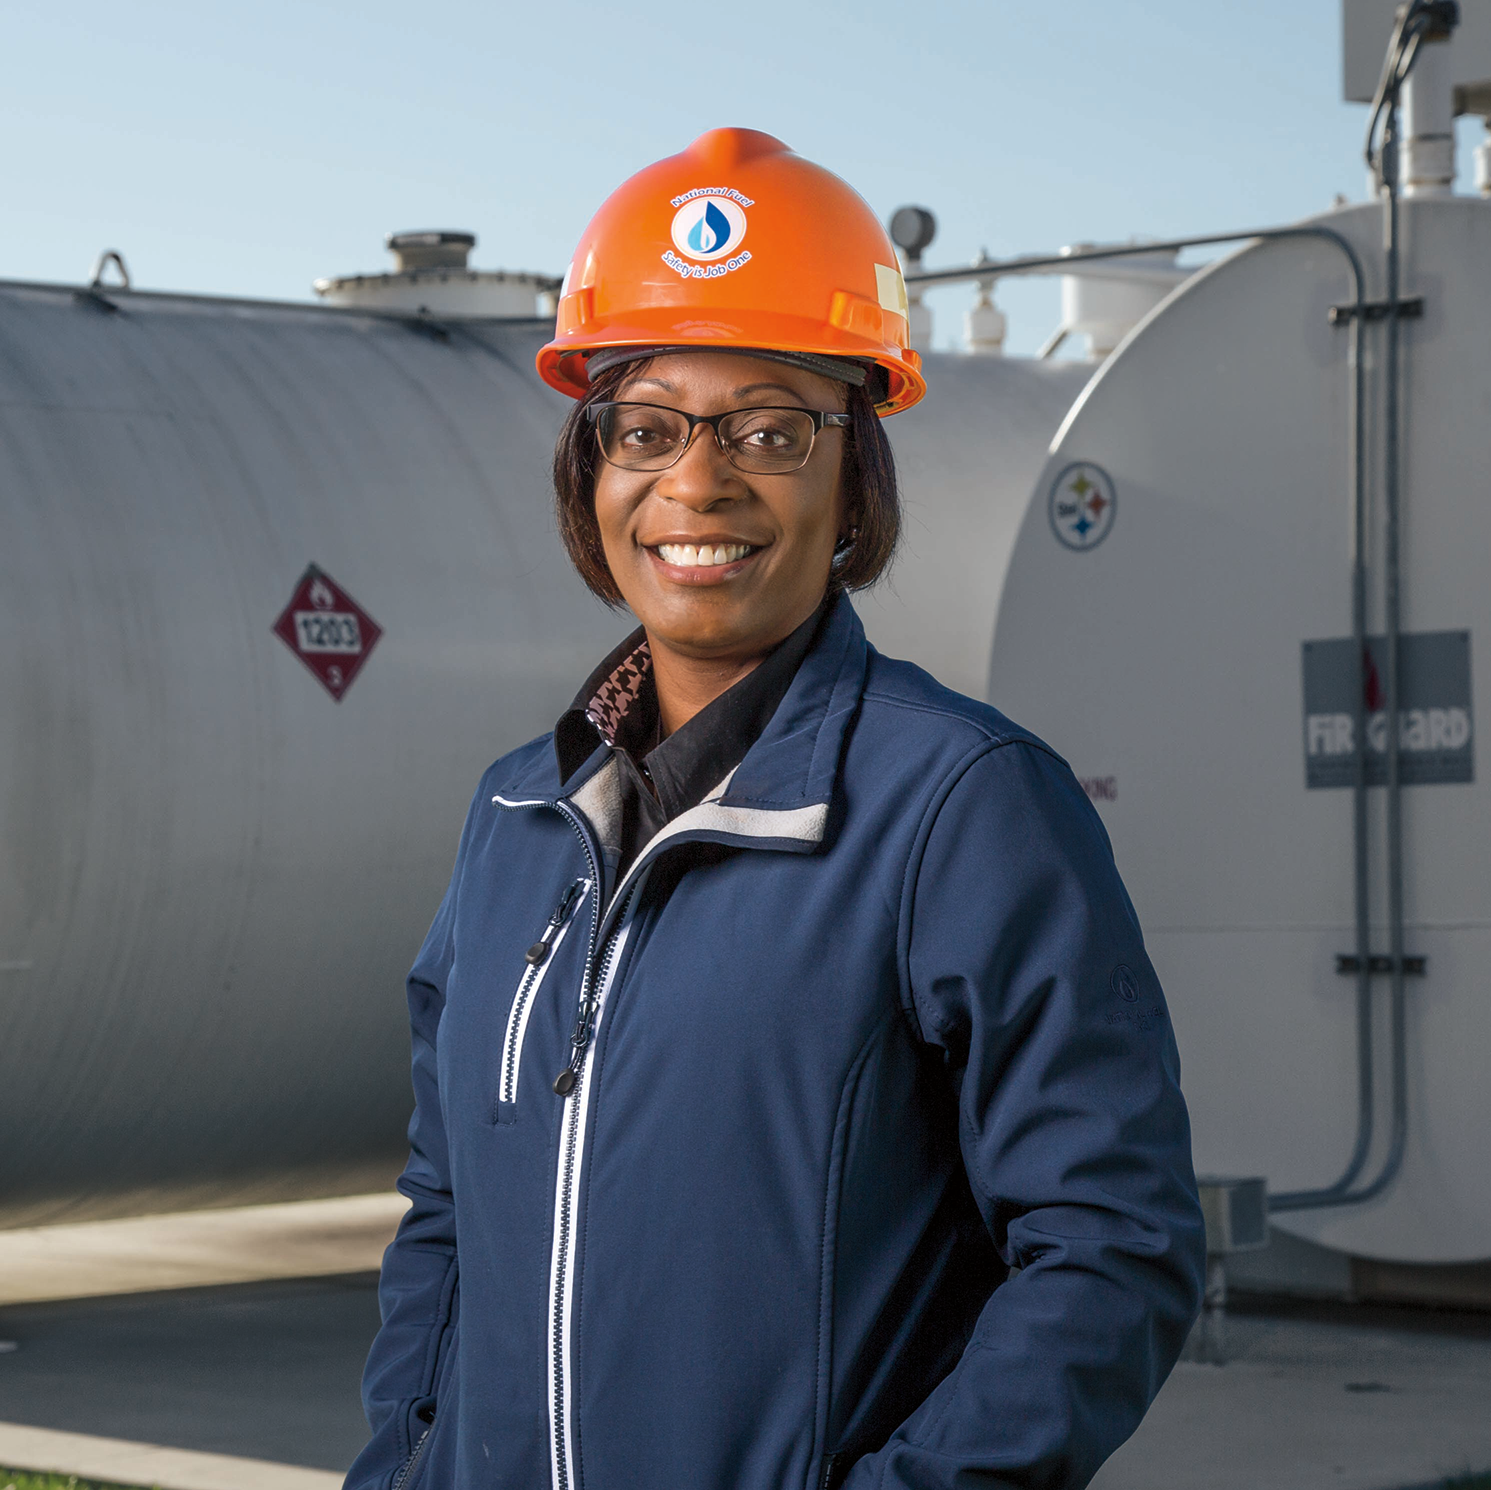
787,522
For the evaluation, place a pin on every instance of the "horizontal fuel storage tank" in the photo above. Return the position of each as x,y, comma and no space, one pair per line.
218,851
1177,621
279,581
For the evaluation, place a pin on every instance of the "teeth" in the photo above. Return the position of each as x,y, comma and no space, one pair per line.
687,556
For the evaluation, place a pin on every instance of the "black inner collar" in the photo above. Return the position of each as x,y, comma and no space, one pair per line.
618,707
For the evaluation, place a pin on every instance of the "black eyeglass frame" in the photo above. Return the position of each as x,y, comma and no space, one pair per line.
821,420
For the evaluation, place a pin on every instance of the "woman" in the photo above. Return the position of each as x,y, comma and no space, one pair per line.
795,1105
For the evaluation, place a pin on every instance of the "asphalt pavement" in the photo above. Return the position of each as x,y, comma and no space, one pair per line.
256,1370
1328,1396
1312,1397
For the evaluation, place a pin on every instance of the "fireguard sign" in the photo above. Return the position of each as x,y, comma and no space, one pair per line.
1436,726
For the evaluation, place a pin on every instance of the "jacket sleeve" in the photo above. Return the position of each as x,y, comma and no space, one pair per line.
418,1290
1024,967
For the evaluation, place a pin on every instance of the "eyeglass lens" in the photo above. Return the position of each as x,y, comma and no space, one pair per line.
643,437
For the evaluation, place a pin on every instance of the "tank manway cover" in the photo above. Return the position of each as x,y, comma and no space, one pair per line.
328,630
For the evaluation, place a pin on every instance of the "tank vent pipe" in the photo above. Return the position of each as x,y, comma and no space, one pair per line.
1428,168
984,325
431,250
912,230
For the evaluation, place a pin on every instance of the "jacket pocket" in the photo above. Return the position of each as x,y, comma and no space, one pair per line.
408,1472
537,961
426,1416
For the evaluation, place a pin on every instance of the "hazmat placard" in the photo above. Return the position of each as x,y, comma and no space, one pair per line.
328,630
1436,725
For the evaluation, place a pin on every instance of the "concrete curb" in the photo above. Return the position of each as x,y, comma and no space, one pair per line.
146,1464
194,1249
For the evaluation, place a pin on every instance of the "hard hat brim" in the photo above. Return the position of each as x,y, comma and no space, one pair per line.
561,364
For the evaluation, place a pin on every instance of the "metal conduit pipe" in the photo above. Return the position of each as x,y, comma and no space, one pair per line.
1339,1191
1392,619
1417,22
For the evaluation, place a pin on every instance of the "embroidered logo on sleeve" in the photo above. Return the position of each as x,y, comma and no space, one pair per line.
1125,984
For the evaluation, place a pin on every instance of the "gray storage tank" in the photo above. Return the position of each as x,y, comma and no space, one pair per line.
214,874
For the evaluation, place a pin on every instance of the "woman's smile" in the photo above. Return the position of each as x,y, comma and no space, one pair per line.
713,554
715,562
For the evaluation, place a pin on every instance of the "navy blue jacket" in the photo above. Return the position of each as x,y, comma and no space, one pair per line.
871,1166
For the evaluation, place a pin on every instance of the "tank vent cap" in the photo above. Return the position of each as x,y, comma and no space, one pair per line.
431,250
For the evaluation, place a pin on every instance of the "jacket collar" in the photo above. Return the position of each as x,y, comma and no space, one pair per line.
618,706
778,796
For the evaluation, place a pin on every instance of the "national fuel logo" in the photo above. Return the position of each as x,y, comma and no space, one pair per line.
707,230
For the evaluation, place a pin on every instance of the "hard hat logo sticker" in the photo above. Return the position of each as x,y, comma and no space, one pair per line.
710,231
708,228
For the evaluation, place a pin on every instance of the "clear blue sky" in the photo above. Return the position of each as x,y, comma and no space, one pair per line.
247,149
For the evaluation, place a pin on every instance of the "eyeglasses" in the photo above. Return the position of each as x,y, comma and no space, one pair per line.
649,437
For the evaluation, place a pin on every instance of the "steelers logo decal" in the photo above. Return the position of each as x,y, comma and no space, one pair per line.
1082,505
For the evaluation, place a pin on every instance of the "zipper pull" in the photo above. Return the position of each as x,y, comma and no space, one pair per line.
566,907
562,912
564,1083
590,998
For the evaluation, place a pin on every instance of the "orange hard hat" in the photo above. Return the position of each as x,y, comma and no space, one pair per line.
736,243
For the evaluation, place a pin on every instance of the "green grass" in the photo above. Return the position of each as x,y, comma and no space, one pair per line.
19,1479
24,1479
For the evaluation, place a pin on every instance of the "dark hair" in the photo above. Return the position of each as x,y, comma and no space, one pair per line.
872,499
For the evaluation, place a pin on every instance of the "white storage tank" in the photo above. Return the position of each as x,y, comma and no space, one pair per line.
1174,620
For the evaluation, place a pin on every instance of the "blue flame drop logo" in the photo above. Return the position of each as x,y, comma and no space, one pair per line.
708,228
712,229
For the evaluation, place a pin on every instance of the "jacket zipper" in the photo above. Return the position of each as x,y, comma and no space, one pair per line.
538,957
584,1028
570,1085
560,1277
412,1463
